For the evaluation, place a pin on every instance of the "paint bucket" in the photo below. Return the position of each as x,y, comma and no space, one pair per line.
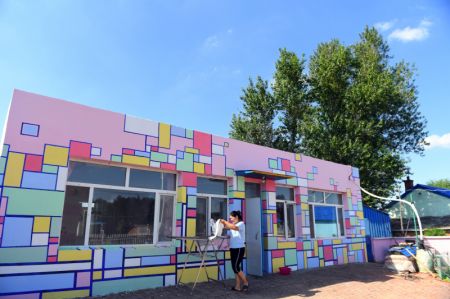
285,270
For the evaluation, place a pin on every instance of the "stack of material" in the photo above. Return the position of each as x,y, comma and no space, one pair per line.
401,259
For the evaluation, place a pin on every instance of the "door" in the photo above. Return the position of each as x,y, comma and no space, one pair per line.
253,235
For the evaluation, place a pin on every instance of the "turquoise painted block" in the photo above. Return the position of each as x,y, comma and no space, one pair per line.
273,163
229,172
55,227
290,257
321,252
310,176
189,134
50,168
2,165
191,201
228,270
179,211
34,202
5,150
30,283
271,243
240,183
187,163
35,254
292,181
126,285
148,251
116,158
159,157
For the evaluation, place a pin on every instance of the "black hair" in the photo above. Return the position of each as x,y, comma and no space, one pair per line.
236,214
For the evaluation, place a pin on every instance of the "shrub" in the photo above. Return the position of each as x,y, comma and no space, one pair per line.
434,232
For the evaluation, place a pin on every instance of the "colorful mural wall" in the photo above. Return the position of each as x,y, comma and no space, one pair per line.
43,134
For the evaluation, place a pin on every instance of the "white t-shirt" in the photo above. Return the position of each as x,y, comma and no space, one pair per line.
237,237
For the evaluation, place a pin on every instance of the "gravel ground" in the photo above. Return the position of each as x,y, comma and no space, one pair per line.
361,281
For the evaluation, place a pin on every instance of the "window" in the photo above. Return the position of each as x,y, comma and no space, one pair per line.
325,214
212,204
117,205
285,206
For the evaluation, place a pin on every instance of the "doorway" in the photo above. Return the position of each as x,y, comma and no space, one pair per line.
253,236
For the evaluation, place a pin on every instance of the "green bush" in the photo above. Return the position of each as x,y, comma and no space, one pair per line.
434,232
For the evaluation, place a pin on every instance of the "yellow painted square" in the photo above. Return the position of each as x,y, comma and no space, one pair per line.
97,275
41,225
14,167
277,263
144,161
298,157
199,167
56,155
287,245
164,135
322,263
337,241
228,255
190,274
65,294
190,230
181,197
149,271
192,150
74,255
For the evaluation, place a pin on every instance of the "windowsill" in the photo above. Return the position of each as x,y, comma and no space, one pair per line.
82,247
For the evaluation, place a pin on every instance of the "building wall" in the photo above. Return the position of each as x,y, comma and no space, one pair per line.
43,134
427,204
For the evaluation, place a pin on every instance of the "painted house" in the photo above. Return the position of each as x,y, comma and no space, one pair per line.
90,198
432,204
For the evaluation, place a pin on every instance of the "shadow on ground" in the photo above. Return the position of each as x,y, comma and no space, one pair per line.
345,281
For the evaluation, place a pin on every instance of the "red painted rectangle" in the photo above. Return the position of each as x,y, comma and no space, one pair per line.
188,179
191,213
299,245
285,165
328,252
128,151
277,253
33,162
203,142
80,149
168,166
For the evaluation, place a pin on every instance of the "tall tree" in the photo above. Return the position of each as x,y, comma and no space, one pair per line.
366,111
442,183
255,123
290,90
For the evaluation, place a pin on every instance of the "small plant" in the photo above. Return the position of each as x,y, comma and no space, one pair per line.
434,232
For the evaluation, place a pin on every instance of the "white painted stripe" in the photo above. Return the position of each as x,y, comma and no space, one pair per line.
62,178
98,258
193,265
44,268
134,262
112,273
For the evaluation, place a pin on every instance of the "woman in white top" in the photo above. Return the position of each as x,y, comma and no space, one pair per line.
237,248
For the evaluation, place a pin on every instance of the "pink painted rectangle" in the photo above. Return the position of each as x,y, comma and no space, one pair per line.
299,245
179,223
191,213
3,206
173,259
218,165
128,151
168,166
2,218
53,249
270,186
208,169
203,142
83,279
285,165
80,149
21,296
277,253
53,240
51,259
188,179
328,252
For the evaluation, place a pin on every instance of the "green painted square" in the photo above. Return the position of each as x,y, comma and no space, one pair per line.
230,172
192,201
306,245
310,176
49,168
2,165
360,206
55,227
36,254
5,150
304,198
290,257
187,163
189,134
321,252
273,163
179,211
116,158
228,270
331,181
349,202
271,243
126,285
240,183
159,157
34,202
292,168
292,181
335,253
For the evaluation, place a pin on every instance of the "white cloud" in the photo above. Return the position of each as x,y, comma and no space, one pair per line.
409,34
384,26
437,141
211,42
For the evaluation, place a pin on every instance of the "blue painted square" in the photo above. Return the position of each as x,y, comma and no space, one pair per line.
196,157
177,131
355,172
39,180
180,155
36,282
279,163
17,231
300,260
113,257
142,154
191,191
30,129
315,170
155,260
313,262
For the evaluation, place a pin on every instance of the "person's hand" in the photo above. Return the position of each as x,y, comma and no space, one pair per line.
222,221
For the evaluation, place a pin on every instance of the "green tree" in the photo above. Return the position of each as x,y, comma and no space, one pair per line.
442,183
255,123
290,90
366,111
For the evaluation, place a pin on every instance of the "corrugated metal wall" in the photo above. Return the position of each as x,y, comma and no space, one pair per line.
378,224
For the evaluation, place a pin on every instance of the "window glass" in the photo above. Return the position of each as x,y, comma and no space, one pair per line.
311,221
165,217
290,220
280,219
315,196
122,217
96,174
145,179
333,198
74,215
211,186
169,181
285,193
326,222
202,209
218,211
252,190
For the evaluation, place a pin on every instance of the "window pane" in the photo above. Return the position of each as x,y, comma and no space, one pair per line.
290,220
315,196
218,211
326,222
211,186
145,179
122,217
169,181
74,215
200,228
285,193
165,217
280,219
333,198
252,190
96,174
341,221
311,221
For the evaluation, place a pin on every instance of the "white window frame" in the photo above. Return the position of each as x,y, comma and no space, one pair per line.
208,207
337,206
285,204
157,215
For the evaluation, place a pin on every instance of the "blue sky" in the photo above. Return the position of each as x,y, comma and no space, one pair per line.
185,62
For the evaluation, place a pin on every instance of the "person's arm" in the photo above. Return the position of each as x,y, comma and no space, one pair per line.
229,225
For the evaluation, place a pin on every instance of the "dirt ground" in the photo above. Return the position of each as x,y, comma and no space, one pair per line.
361,281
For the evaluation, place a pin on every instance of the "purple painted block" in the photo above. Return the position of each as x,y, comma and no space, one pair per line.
83,279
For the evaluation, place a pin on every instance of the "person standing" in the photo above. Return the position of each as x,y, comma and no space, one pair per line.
237,248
